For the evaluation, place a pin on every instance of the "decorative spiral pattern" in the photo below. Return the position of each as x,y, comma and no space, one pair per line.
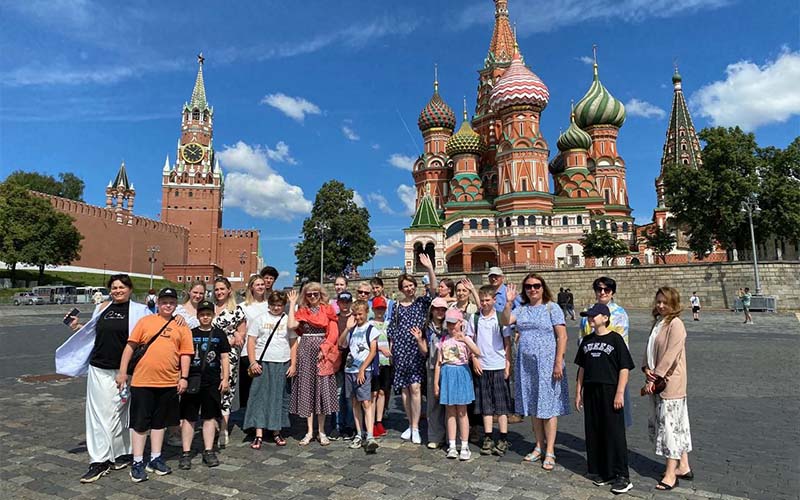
599,107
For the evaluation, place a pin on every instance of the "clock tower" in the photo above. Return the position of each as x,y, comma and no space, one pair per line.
192,187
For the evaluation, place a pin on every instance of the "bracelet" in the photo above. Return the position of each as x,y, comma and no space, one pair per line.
184,378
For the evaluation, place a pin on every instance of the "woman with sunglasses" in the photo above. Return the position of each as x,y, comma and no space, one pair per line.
604,290
541,385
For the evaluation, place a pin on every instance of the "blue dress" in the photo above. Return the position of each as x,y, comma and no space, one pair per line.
537,394
408,360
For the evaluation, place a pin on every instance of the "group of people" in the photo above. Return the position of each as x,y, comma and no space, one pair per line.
479,355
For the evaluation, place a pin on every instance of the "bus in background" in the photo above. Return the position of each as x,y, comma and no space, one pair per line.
85,294
56,294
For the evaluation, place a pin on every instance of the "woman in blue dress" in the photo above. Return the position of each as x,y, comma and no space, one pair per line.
409,362
541,387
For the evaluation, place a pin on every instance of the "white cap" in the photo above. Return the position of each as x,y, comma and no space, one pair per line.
496,271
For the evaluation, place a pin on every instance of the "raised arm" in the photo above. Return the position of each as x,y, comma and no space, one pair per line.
427,264
292,323
506,318
472,291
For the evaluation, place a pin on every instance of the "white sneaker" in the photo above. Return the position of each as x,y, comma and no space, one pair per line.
406,435
465,454
415,437
452,453
223,439
356,443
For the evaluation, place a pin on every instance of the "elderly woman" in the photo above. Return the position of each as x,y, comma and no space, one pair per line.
107,436
230,318
605,289
665,367
409,361
541,387
314,390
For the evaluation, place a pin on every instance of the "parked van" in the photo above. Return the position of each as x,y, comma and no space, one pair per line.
56,294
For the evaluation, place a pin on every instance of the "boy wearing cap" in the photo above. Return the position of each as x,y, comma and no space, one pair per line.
160,376
604,362
382,384
343,423
209,364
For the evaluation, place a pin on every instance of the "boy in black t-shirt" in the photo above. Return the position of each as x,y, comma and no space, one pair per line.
210,362
604,362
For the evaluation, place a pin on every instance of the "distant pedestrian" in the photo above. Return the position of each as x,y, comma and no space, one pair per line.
97,298
695,300
570,304
150,300
745,296
561,299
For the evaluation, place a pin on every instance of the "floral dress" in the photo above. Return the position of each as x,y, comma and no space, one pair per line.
409,361
228,321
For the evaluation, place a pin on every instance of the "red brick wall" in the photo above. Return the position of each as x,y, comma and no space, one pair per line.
232,243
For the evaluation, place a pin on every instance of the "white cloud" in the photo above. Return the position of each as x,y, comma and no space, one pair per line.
636,107
284,274
358,199
281,153
586,60
376,147
255,187
295,108
392,248
408,195
351,134
401,161
381,202
753,95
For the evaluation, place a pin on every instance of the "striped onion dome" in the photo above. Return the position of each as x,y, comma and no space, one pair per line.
519,86
599,107
465,141
574,137
436,113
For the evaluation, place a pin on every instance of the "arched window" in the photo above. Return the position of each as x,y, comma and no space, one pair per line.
625,227
485,224
508,221
473,224
564,221
614,227
569,249
521,220
531,220
196,114
205,116
500,222
580,220
603,224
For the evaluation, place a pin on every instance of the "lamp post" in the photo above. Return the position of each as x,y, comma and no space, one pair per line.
153,250
750,205
321,227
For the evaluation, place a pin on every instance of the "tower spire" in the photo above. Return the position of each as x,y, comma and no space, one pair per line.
501,48
465,108
435,78
199,91
594,56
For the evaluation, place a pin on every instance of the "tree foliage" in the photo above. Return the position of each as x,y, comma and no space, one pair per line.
779,194
33,232
348,243
602,244
661,242
68,186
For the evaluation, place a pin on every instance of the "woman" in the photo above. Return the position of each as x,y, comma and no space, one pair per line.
605,289
107,436
230,318
541,387
665,360
188,310
464,291
339,286
255,306
409,362
313,393
446,290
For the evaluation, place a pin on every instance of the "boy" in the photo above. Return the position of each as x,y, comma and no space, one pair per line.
161,375
604,362
363,344
343,426
382,384
210,364
492,370
695,301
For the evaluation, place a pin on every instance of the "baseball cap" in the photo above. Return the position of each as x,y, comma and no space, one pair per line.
439,302
495,271
345,296
453,316
167,292
379,303
597,309
205,305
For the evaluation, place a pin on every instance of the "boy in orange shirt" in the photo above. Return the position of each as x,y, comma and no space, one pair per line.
159,377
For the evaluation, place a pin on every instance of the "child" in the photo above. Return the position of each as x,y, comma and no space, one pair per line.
453,381
382,384
272,350
211,364
160,376
358,372
492,370
604,362
428,340
342,421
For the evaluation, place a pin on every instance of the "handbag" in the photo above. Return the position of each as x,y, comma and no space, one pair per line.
269,339
194,380
141,349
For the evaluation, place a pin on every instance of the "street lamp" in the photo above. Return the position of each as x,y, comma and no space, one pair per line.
750,205
321,227
153,250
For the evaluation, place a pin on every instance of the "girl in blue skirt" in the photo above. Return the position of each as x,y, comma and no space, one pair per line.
453,381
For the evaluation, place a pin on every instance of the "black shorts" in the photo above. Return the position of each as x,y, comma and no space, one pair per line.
207,402
153,408
383,382
695,309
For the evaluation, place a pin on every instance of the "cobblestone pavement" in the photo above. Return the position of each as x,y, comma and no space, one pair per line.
743,407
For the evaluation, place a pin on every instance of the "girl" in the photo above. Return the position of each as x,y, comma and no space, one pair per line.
453,381
188,310
255,306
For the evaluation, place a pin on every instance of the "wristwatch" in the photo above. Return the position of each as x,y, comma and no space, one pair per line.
185,378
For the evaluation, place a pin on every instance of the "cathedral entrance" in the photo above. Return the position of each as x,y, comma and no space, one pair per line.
428,249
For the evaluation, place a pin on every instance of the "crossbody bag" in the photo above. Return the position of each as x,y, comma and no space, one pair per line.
269,339
141,349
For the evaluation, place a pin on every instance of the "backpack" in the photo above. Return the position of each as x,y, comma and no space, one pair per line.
150,302
375,365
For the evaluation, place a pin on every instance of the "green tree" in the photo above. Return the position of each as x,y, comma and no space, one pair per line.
348,243
602,244
60,245
69,186
779,193
661,242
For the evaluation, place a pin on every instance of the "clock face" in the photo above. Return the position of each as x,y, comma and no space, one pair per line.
192,152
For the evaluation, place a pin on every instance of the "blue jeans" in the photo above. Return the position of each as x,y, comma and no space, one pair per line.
344,417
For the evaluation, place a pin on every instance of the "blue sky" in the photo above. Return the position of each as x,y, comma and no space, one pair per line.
306,92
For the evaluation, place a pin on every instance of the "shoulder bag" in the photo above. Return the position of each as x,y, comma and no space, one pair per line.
269,339
141,349
195,379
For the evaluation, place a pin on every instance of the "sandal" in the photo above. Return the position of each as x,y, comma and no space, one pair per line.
533,456
549,462
306,439
279,440
323,440
688,476
256,444
662,486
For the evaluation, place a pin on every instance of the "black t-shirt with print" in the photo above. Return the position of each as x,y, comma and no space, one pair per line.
212,374
602,357
111,336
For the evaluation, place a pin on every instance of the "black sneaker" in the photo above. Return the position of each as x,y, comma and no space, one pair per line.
486,447
185,462
137,472
210,458
599,481
121,462
334,435
500,448
348,434
621,485
95,472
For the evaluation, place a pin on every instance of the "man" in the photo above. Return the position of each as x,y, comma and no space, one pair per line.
570,304
744,296
561,300
269,274
695,301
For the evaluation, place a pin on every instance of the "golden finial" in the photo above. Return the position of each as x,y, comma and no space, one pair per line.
465,108
436,78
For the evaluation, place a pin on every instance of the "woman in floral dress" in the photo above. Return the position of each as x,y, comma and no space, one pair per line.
409,362
541,385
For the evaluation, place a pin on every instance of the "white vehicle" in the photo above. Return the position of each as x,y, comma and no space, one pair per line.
56,294
85,294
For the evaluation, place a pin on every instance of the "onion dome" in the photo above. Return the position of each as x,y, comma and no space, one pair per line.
436,113
519,86
465,141
574,137
676,77
599,107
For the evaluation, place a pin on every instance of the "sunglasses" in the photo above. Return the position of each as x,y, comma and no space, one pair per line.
312,294
535,286
362,292
602,289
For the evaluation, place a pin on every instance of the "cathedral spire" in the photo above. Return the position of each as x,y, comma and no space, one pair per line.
199,92
501,48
